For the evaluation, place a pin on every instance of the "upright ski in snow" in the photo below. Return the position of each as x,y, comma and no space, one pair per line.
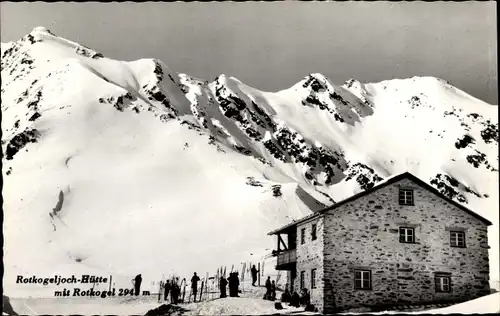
184,290
201,291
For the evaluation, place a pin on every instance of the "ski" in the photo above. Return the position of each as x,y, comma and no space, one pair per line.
217,279
184,291
201,291
159,292
243,277
206,286
180,287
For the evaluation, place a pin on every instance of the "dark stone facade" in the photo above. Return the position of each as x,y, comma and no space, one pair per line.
364,234
310,256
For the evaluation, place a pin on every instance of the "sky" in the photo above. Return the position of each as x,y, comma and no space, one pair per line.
271,46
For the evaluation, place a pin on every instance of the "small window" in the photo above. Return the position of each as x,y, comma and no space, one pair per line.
302,279
457,239
313,232
406,235
303,236
405,197
313,278
443,283
362,280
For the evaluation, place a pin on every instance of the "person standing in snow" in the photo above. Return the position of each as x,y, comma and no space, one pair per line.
222,285
273,291
268,289
230,284
234,282
254,274
194,285
137,284
167,288
174,291
237,284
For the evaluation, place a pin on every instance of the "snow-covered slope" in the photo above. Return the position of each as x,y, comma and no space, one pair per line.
114,167
489,304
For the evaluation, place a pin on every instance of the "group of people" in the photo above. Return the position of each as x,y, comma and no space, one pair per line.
233,281
294,299
270,290
173,288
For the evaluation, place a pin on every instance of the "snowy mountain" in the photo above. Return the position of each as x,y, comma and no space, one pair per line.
114,167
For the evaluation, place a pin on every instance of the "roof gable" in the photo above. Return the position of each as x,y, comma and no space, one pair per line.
430,188
405,175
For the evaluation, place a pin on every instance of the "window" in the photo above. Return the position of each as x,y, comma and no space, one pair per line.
302,275
362,280
313,232
405,197
313,278
443,283
457,239
406,234
303,236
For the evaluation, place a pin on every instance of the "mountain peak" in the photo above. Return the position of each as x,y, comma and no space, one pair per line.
221,77
317,82
41,29
313,77
428,81
352,82
224,79
317,75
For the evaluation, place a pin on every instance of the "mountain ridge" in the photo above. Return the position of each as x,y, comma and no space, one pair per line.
42,29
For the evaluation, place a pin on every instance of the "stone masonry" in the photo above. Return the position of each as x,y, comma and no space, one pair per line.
364,233
310,256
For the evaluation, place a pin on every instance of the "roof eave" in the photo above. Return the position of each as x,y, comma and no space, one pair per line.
294,224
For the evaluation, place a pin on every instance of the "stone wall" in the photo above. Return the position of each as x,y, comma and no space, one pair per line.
364,234
310,256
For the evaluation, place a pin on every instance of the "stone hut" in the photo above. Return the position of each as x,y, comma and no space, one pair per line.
401,242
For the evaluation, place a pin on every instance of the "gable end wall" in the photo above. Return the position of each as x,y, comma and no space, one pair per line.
364,234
